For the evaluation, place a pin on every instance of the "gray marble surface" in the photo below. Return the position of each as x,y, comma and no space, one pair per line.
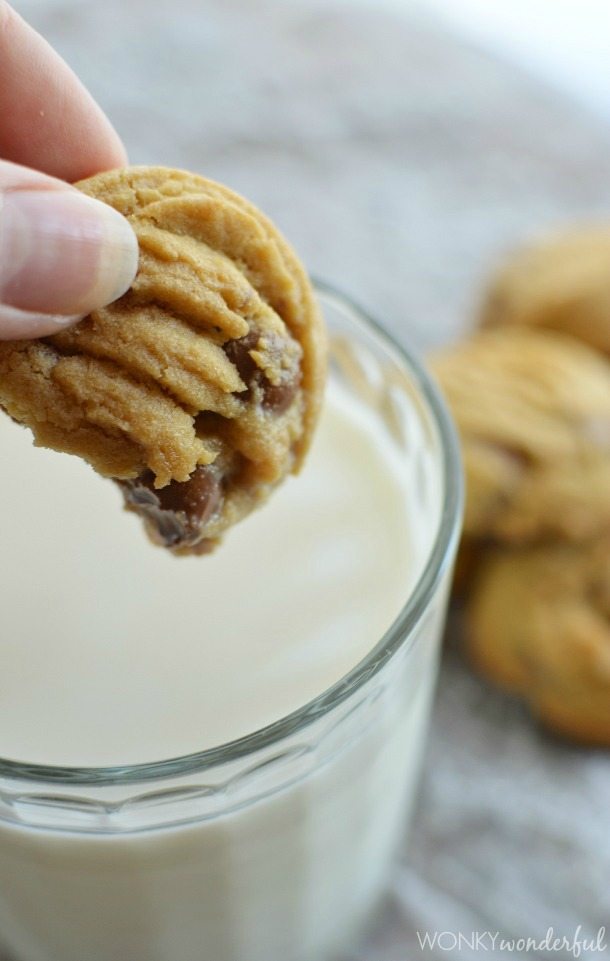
401,163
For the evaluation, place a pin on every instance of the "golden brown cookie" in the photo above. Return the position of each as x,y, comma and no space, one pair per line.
562,282
533,412
539,624
199,390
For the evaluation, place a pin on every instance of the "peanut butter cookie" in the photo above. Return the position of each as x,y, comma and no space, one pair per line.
562,282
539,624
533,412
198,391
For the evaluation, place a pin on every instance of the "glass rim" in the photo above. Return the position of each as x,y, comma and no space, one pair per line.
401,628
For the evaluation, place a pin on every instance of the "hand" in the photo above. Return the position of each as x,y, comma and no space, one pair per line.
61,254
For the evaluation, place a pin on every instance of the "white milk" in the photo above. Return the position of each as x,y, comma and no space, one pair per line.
114,653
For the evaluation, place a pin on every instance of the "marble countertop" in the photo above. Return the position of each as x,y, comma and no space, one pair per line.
401,162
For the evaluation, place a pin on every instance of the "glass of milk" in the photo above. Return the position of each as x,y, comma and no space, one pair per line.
213,759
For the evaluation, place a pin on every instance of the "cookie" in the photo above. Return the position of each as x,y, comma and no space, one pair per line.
562,283
197,391
533,412
538,623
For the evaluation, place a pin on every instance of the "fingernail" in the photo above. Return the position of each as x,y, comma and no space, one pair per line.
62,252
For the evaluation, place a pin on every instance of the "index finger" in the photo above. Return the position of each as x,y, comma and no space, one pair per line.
48,120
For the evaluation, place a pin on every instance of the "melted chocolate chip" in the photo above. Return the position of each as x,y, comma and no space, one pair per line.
238,352
275,397
179,511
278,398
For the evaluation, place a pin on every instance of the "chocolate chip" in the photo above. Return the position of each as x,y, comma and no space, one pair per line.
275,397
238,352
179,511
197,497
278,398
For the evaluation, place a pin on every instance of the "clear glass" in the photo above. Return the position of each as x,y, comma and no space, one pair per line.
273,847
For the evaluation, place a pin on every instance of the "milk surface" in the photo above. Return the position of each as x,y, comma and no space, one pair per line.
113,652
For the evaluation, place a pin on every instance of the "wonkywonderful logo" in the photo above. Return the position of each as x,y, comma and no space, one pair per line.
575,945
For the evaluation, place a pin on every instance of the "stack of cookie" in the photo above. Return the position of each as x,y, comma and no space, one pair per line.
530,392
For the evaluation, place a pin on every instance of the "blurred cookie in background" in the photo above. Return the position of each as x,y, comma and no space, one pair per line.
533,414
538,623
561,282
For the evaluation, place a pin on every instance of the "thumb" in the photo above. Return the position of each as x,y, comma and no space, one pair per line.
62,254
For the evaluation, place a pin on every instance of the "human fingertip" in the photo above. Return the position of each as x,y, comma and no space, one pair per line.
18,324
63,253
